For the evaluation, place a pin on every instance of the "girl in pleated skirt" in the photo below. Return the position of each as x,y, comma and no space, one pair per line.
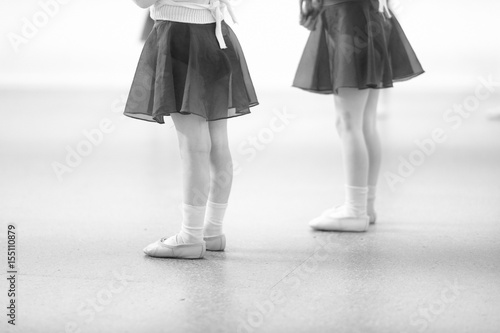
192,68
355,48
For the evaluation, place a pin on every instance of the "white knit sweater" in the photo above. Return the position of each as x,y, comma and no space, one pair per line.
194,12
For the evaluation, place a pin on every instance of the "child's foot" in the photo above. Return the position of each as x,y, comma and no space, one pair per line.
174,247
371,213
215,243
336,219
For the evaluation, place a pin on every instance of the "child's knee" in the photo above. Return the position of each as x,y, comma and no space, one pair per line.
195,147
347,125
220,153
369,129
219,147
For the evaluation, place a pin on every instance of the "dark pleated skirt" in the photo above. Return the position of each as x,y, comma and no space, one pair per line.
355,46
182,69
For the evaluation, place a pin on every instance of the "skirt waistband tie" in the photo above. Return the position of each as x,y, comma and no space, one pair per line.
216,8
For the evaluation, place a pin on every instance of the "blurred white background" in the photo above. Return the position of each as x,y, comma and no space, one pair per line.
96,44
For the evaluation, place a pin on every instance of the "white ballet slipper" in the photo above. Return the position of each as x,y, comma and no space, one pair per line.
335,219
159,249
372,216
215,243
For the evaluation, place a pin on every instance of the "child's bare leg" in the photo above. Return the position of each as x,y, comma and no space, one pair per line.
374,150
372,139
194,145
221,163
350,106
221,175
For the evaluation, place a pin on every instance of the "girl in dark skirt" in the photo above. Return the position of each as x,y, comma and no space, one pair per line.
355,48
192,68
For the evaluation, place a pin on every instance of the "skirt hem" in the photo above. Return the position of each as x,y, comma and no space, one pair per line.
328,91
156,119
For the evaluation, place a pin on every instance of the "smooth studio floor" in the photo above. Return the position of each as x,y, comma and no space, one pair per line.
430,264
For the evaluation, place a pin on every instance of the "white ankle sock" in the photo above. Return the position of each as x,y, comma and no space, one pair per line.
371,199
214,218
192,226
356,200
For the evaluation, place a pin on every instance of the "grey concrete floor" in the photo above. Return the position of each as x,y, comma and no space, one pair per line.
431,264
